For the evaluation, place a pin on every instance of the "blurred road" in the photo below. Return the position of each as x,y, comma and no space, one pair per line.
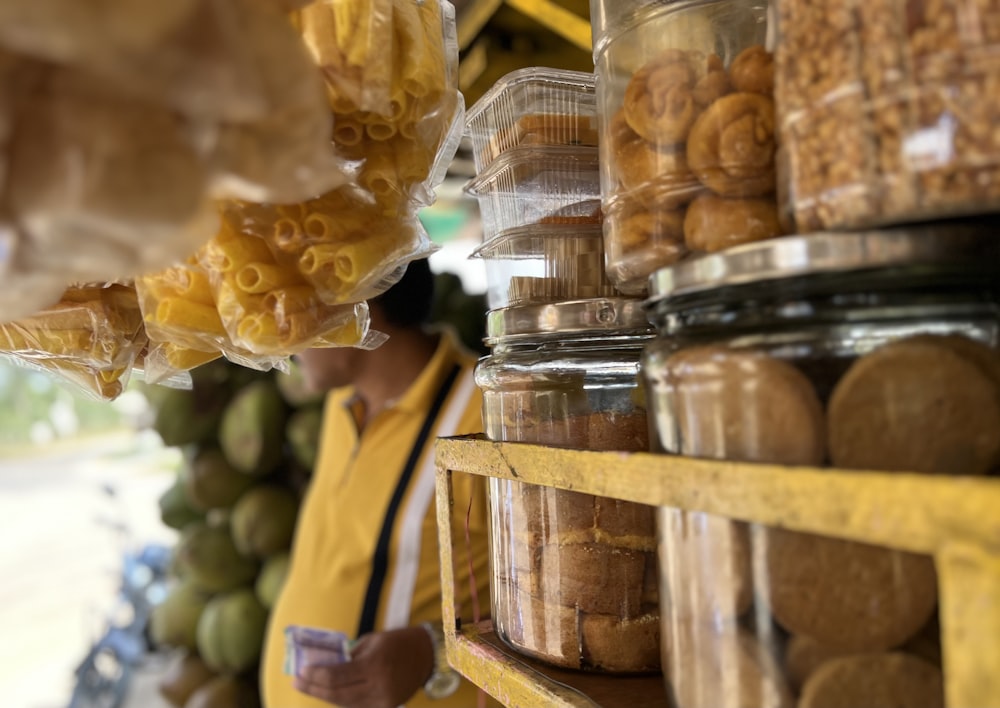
59,565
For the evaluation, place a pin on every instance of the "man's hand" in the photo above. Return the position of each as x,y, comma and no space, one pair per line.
385,670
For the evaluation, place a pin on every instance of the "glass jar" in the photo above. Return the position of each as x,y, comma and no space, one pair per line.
887,111
686,114
873,351
574,575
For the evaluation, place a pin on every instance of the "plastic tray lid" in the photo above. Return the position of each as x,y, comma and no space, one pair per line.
533,106
544,241
541,170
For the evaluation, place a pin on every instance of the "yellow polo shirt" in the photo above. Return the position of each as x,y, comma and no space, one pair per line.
365,556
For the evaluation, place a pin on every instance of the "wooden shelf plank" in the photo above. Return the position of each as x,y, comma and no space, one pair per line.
914,512
519,682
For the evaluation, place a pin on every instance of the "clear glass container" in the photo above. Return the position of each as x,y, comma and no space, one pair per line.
574,575
888,111
549,263
533,106
870,351
538,185
686,111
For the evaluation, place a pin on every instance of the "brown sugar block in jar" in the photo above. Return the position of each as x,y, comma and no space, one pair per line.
893,680
593,578
722,666
745,405
547,512
845,594
545,629
713,223
627,524
918,405
803,655
621,645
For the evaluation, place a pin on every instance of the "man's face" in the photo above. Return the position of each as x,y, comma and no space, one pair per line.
324,369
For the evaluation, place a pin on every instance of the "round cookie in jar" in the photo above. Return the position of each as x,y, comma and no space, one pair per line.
875,351
574,575
686,112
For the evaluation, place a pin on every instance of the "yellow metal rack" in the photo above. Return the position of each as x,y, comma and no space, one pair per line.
955,519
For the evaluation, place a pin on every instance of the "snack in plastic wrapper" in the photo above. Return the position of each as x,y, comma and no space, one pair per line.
91,337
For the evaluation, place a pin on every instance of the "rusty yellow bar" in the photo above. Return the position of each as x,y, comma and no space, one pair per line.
969,594
913,512
474,17
567,24
445,500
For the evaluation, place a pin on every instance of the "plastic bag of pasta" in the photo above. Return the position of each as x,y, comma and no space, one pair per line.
344,244
91,337
269,308
183,324
401,146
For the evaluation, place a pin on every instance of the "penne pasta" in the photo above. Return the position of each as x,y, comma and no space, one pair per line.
16,338
188,316
228,252
347,132
353,262
319,228
284,302
288,235
261,278
184,358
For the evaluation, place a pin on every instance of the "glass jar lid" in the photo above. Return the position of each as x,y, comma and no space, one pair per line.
599,316
961,248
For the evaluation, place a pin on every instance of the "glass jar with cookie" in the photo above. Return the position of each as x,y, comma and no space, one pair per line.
869,351
688,143
574,575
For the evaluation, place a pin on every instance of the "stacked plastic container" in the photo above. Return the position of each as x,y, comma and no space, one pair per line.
573,575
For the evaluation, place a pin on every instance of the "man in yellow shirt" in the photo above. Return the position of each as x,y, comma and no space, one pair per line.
365,557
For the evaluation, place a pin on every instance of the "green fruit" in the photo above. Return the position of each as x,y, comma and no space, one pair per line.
253,429
175,510
263,520
225,692
185,417
231,630
210,482
295,390
185,675
271,579
303,433
207,557
174,622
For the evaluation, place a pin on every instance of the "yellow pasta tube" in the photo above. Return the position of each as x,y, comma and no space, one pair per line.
231,251
356,261
380,130
419,47
17,338
347,132
260,278
319,227
348,334
256,329
184,358
288,235
286,301
186,315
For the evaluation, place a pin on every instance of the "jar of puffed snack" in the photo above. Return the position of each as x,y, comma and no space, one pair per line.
887,111
574,575
869,351
686,113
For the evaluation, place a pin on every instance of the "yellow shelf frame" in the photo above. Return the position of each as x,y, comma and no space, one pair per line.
546,13
954,519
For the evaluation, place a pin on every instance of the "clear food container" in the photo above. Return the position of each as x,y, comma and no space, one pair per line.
538,185
870,351
686,108
549,263
887,111
573,575
533,106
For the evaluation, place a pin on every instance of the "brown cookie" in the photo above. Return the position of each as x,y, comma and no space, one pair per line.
709,666
642,229
893,680
659,103
708,577
612,644
713,223
848,595
803,655
544,630
915,405
752,71
731,146
745,405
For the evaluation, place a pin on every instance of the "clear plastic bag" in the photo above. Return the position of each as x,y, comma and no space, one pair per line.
91,337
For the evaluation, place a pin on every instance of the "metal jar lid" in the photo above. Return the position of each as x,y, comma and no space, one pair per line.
607,316
960,247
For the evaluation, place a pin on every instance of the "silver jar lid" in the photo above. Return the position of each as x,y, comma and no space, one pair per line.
949,246
611,316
